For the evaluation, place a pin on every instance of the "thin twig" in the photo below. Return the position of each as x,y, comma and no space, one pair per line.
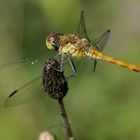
68,130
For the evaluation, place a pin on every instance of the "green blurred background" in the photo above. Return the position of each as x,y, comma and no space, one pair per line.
104,105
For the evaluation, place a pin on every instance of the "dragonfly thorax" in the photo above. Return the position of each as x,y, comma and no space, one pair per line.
52,41
69,44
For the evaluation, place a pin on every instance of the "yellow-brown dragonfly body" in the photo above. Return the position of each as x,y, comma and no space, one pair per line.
79,45
74,45
67,45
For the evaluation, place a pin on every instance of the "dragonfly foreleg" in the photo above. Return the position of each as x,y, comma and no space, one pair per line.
61,62
60,58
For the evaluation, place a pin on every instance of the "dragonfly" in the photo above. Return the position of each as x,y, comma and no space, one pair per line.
67,46
79,45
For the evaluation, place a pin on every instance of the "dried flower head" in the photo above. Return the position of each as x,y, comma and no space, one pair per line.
54,81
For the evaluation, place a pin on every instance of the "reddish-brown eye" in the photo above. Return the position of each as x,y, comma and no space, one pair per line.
51,37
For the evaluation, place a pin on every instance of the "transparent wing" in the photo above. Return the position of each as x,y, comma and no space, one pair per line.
101,41
15,64
29,91
19,63
81,28
12,67
99,44
16,72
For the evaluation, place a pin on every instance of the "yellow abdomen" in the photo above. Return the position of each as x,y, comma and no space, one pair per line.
92,53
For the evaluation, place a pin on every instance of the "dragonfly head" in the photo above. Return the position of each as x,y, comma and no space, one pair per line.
52,41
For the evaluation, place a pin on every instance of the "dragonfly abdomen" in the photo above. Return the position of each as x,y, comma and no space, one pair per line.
92,53
122,63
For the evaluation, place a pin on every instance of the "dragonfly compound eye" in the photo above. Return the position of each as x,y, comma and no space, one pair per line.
52,41
54,81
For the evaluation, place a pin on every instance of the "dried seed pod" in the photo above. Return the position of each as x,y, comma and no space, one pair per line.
54,81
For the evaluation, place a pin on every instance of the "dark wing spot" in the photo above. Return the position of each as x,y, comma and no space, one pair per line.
13,93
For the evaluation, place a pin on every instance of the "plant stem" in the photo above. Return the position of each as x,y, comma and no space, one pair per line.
66,120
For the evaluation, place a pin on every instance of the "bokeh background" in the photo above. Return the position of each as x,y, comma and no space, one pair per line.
104,105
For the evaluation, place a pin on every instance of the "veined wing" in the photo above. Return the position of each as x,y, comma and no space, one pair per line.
15,65
18,71
81,28
99,44
15,72
27,92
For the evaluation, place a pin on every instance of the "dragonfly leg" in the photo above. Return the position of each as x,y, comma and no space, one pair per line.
60,58
58,70
72,67
95,61
58,55
61,62
94,65
61,70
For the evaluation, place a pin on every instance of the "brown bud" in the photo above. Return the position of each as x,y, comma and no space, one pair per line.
54,81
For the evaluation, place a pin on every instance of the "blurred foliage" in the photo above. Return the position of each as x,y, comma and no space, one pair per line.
106,102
